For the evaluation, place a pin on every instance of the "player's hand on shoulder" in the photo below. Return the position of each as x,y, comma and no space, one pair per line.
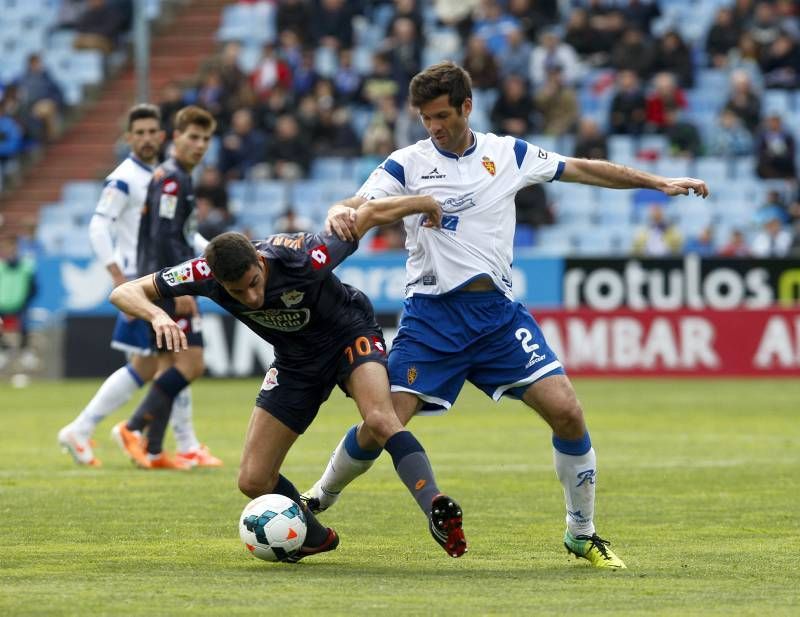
168,334
185,305
341,221
685,186
433,213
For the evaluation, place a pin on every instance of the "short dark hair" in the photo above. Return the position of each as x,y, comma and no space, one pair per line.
438,79
194,115
230,255
141,111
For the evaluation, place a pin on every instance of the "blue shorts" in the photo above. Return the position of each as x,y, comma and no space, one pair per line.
132,336
482,337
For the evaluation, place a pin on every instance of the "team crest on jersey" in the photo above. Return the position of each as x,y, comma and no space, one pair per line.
270,379
290,298
170,188
489,165
411,376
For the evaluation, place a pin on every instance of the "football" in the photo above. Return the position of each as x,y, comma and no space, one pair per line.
272,527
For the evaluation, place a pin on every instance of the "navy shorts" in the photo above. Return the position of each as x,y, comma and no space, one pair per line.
482,337
293,393
192,326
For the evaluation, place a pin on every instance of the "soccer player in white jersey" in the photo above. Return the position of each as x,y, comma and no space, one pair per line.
113,233
460,320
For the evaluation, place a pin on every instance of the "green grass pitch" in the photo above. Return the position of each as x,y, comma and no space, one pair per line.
697,489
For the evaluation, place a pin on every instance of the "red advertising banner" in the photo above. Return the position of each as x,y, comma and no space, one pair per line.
702,343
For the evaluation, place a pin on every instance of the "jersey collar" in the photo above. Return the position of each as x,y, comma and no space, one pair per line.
453,155
144,166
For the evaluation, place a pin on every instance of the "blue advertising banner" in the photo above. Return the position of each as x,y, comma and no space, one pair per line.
81,286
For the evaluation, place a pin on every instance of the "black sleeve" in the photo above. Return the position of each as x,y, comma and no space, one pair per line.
313,254
190,278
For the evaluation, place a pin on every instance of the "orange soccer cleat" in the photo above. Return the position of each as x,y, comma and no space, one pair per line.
132,444
199,456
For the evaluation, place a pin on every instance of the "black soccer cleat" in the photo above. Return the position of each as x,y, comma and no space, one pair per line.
330,544
445,525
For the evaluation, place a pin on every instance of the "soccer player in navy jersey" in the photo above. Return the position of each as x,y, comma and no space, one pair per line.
113,232
460,320
324,333
168,235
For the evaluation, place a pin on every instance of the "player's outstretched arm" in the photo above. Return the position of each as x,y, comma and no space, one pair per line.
136,298
390,209
612,175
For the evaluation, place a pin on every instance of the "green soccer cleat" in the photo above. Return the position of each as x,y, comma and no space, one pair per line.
595,549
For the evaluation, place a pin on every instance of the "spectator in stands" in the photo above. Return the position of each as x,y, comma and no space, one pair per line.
18,284
278,103
702,244
682,136
532,207
746,57
586,40
236,91
404,48
590,141
788,17
775,149
102,23
628,113
774,206
287,152
673,55
659,237
211,187
609,22
331,24
456,14
730,138
305,76
781,63
243,146
290,48
736,246
407,130
640,14
211,97
491,24
764,27
334,135
172,100
290,222
722,37
665,96
211,221
743,101
516,58
346,80
481,64
40,99
405,9
743,12
531,15
557,105
270,73
552,52
388,238
633,52
773,240
376,146
294,15
380,82
511,112
10,138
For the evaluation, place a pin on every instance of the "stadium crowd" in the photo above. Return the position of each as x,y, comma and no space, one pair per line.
329,80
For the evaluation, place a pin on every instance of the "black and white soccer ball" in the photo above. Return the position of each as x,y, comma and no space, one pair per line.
272,527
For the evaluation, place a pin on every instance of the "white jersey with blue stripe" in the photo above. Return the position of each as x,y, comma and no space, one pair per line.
122,201
476,191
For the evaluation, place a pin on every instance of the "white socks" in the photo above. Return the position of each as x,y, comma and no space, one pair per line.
347,462
116,390
181,421
577,475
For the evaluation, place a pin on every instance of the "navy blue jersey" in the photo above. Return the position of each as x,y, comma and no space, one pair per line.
307,310
168,220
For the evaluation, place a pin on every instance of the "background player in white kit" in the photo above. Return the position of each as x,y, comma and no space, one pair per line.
460,321
113,233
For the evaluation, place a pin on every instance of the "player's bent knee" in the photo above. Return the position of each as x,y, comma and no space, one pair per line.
382,424
254,485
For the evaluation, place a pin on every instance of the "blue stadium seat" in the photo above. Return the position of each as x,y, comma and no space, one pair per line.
82,192
268,196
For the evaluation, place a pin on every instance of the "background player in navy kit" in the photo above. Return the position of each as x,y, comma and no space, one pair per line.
324,332
113,233
167,232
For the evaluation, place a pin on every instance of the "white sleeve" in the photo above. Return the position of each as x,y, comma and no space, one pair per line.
113,199
388,180
536,164
199,243
100,238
